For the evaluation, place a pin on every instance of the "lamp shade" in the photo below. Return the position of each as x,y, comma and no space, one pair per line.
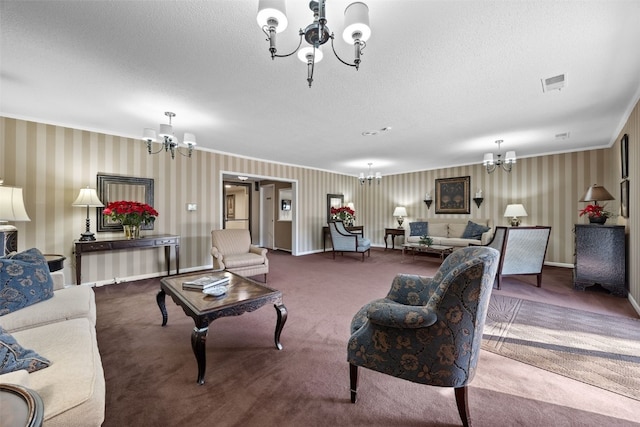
488,159
88,198
270,10
149,135
189,139
515,211
510,157
306,53
400,211
12,205
596,193
356,20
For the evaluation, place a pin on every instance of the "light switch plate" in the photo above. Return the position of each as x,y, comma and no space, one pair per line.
192,207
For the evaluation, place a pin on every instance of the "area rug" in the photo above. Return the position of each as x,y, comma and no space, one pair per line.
600,350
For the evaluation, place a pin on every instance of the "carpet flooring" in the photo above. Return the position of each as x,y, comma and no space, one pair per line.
150,370
600,350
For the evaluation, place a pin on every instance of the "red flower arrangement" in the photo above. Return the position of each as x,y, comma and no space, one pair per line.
344,213
130,213
595,211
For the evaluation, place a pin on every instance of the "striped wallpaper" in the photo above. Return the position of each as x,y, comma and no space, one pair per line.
52,163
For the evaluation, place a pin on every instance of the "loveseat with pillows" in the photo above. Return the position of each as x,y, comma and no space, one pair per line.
451,231
48,340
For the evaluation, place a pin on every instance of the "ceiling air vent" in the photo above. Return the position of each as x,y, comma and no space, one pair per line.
555,82
563,135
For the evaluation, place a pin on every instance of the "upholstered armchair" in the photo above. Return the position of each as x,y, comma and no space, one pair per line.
342,240
523,251
232,250
428,330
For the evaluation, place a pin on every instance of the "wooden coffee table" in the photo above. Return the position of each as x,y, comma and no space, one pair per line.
243,295
443,251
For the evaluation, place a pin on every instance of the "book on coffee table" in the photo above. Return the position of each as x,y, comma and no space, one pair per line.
206,282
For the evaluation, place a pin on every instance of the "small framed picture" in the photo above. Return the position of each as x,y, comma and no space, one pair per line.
624,156
624,198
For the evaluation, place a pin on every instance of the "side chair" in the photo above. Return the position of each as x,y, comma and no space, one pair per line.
342,240
428,330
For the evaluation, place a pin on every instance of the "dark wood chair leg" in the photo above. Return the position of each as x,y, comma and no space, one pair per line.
499,277
539,280
353,379
463,405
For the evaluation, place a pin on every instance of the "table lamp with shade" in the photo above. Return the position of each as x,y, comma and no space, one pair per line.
514,212
400,212
89,199
597,193
11,209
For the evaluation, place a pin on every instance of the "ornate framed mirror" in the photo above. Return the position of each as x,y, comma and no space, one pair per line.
112,188
334,201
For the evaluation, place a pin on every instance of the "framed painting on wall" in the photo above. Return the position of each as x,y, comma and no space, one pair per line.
452,195
231,206
624,198
624,155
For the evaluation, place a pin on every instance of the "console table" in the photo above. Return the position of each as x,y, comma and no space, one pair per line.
393,232
358,229
153,241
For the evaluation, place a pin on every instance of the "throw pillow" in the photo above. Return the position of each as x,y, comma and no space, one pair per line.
418,228
474,231
24,280
14,357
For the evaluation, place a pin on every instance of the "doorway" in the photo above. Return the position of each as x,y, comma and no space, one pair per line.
237,205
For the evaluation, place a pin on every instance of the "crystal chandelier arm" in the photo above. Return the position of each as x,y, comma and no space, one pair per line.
359,47
189,147
149,150
271,34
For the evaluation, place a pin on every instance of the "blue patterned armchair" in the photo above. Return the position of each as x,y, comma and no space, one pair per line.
428,330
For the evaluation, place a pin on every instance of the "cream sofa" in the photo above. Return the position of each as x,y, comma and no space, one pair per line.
62,329
449,231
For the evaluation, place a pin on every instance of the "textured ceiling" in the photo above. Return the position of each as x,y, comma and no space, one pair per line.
448,77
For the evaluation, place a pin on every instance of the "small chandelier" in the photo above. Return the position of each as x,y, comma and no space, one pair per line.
168,140
507,163
272,18
370,177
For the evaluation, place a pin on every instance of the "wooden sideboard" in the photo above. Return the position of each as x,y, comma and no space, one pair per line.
153,241
358,229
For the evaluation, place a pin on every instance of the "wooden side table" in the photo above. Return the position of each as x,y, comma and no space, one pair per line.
393,232
152,241
20,406
55,261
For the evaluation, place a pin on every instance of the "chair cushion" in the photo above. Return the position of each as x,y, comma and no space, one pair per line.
363,244
474,231
418,228
25,280
242,260
14,357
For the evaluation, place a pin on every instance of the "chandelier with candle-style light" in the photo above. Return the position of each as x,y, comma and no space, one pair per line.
272,19
168,140
506,163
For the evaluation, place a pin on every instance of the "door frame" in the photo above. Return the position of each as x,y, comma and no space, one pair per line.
254,178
